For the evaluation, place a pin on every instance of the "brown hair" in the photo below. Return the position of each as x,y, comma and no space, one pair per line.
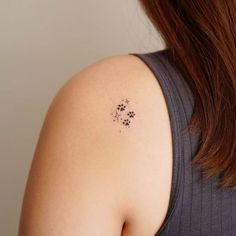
201,36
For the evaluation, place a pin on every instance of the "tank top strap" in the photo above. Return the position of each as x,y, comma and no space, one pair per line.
179,100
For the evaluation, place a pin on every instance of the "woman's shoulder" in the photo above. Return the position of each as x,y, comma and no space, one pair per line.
106,127
107,83
129,117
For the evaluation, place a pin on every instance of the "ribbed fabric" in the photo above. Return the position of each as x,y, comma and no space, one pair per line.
195,208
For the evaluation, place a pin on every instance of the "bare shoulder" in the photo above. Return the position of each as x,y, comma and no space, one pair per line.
106,82
94,93
97,147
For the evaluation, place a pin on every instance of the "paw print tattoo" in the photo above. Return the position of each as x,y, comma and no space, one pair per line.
126,122
131,114
121,107
123,118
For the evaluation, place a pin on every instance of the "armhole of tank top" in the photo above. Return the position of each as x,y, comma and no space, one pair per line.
157,67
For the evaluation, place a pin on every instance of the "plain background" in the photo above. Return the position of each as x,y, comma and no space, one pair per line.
42,44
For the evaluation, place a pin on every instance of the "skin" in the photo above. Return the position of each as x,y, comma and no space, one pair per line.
92,174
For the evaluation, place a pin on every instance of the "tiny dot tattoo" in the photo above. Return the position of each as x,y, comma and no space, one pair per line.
124,113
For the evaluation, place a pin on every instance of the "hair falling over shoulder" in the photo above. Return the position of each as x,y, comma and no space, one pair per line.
201,36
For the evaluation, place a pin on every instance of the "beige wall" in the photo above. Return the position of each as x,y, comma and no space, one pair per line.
42,44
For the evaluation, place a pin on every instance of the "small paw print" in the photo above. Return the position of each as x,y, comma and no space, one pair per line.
121,107
131,114
126,122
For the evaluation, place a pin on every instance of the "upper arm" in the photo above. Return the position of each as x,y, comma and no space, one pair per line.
74,186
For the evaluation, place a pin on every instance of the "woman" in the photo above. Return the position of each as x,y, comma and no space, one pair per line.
115,155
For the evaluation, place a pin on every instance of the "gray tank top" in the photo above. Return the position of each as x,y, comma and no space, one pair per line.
195,208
